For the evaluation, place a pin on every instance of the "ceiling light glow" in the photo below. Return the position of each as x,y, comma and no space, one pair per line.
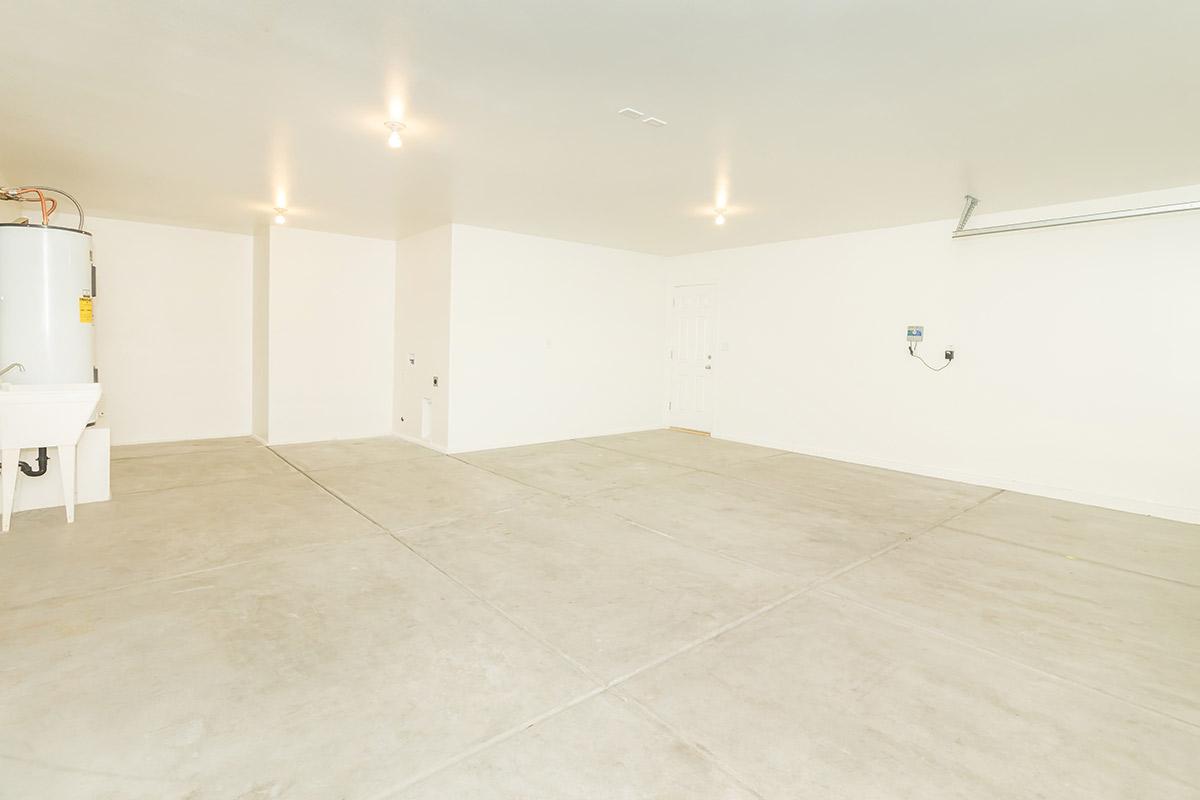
394,140
280,216
720,218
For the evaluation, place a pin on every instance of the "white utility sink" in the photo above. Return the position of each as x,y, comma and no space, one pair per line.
43,415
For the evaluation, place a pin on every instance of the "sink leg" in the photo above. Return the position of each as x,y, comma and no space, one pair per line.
66,465
10,465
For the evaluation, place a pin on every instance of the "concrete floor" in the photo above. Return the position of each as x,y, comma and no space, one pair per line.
654,615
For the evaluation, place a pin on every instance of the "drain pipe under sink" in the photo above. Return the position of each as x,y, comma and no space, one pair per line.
42,460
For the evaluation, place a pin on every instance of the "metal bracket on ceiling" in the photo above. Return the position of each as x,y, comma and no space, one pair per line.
968,208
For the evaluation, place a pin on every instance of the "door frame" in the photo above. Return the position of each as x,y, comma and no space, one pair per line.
672,291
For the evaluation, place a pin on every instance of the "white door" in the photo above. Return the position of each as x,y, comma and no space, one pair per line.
694,323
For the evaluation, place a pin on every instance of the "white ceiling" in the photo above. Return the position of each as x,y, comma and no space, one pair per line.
821,115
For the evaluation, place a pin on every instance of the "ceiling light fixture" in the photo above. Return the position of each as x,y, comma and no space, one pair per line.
394,137
645,119
280,217
720,218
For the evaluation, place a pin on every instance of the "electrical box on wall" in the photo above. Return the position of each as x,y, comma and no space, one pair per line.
916,333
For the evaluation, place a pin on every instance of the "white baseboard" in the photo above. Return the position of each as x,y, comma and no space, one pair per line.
422,442
524,442
1131,505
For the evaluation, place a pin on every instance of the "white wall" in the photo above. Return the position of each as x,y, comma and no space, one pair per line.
1076,374
423,330
330,324
551,340
260,345
173,324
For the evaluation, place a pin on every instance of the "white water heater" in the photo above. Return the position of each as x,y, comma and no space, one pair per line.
47,284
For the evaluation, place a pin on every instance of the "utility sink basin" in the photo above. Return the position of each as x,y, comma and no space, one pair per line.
43,415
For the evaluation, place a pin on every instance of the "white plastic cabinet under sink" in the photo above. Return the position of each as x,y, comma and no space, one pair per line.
43,415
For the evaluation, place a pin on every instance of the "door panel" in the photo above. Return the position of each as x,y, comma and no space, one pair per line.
694,323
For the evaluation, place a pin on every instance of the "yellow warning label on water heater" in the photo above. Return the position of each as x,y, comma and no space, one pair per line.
85,309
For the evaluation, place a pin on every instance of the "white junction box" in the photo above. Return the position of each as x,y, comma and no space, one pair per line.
915,333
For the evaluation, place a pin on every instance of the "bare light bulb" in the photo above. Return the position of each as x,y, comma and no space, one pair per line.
279,216
394,137
720,218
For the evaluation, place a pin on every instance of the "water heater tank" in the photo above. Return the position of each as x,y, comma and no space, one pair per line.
46,290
